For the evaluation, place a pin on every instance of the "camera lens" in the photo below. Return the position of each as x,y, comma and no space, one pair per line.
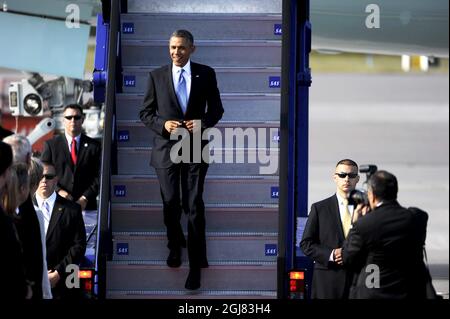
357,197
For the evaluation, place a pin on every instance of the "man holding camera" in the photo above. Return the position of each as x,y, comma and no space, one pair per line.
385,245
326,229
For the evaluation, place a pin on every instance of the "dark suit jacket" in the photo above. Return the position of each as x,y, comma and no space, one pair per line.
65,239
82,179
29,231
13,284
4,133
323,233
392,238
161,104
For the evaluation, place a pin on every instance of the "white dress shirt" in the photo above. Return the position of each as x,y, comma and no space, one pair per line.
187,76
43,226
46,287
46,215
341,205
69,141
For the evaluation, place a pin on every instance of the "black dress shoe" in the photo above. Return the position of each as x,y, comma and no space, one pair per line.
174,259
193,279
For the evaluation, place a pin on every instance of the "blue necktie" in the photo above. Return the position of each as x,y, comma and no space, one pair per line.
182,91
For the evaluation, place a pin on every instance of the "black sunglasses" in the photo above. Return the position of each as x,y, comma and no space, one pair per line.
344,175
49,176
70,117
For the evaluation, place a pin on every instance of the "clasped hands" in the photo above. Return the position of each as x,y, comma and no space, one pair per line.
190,125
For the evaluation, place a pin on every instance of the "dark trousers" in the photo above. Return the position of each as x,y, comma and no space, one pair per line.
182,189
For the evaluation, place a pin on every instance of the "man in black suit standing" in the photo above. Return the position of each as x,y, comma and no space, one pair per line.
64,229
183,95
385,245
76,158
326,229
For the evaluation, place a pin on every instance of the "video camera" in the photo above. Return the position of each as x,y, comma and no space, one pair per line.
359,196
33,97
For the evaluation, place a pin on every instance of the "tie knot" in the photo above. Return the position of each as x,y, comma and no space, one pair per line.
345,201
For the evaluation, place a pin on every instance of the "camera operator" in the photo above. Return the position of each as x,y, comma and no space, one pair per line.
385,245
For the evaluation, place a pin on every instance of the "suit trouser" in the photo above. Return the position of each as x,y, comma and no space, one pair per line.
187,179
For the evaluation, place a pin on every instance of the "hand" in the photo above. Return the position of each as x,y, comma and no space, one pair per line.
65,194
193,125
360,210
338,256
82,201
53,277
171,126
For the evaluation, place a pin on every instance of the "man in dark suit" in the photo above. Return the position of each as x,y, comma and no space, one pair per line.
326,228
65,232
385,246
182,96
76,158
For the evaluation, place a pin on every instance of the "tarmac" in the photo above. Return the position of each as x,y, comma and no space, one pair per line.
399,122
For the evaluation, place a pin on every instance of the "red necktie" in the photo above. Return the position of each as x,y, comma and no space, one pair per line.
73,151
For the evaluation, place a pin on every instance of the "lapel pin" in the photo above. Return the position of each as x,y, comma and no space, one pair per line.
85,144
197,76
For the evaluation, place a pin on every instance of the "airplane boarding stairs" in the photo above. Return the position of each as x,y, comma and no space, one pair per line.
244,47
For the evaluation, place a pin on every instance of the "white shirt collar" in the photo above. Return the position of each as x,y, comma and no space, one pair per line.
51,200
69,139
340,199
186,68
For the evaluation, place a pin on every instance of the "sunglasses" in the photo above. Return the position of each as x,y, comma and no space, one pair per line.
344,175
48,176
70,117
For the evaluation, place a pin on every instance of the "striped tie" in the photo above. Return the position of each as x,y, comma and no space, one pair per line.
182,91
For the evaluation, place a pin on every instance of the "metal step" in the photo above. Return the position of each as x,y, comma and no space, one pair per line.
186,294
141,275
230,80
210,6
220,246
135,160
218,53
147,26
238,107
264,135
218,189
225,217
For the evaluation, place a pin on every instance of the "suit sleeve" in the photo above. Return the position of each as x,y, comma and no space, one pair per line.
353,251
77,249
148,113
311,244
46,155
215,108
92,191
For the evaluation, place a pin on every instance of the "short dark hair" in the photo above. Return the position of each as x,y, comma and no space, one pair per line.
348,162
74,107
383,185
6,157
183,34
